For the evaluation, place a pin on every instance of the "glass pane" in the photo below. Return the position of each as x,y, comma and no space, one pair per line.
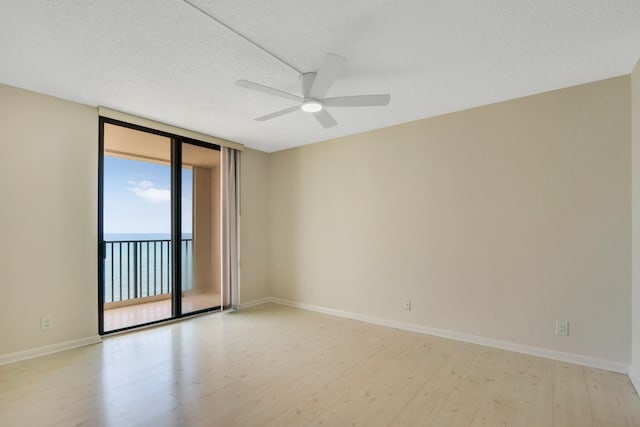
200,228
137,227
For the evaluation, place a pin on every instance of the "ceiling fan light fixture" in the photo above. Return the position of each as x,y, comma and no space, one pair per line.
311,106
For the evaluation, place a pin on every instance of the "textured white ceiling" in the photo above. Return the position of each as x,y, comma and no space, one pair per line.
163,60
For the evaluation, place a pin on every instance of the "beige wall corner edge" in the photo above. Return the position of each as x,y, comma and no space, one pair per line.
152,124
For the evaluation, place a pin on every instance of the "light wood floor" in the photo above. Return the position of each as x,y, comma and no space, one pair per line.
274,365
139,314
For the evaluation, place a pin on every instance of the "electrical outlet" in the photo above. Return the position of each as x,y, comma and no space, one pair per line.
562,328
407,304
46,322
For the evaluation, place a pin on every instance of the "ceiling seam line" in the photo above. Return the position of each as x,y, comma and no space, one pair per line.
204,12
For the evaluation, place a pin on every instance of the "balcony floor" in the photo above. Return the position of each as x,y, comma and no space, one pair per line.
138,314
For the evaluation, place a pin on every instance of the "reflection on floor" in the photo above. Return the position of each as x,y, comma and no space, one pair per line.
123,317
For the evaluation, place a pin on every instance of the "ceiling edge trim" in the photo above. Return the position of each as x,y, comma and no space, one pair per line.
152,124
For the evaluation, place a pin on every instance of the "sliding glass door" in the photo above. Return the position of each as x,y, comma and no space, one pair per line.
158,226
200,222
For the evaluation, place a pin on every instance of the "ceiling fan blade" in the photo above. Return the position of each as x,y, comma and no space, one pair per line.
326,75
325,119
278,113
269,90
358,101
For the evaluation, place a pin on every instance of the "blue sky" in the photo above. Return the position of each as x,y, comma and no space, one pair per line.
137,197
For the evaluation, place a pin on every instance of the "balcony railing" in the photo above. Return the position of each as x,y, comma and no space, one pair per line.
142,268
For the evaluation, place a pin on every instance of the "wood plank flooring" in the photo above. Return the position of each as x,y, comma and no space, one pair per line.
279,366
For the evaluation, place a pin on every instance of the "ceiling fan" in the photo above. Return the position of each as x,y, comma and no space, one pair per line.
314,86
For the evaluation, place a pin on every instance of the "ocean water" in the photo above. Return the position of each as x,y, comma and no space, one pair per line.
139,265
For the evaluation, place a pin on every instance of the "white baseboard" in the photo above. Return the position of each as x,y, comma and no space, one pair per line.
255,302
577,359
406,326
48,349
634,376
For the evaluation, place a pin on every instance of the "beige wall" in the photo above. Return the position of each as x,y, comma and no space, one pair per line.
48,219
254,225
635,162
495,221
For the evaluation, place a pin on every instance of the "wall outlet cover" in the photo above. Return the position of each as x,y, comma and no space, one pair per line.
46,322
562,328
